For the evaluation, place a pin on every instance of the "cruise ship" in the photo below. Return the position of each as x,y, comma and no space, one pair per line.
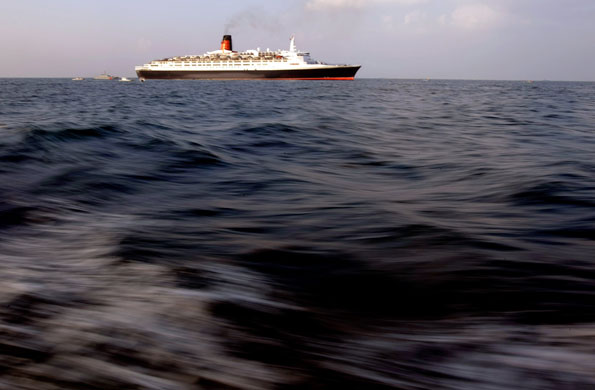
227,64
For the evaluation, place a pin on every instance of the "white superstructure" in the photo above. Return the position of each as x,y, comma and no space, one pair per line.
247,60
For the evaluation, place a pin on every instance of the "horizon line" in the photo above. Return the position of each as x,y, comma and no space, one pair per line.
357,78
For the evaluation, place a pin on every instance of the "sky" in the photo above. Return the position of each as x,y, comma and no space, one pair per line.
440,39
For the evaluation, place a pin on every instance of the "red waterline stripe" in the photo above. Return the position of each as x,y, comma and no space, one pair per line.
314,78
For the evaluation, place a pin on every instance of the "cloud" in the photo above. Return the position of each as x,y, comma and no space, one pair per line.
321,5
472,17
388,22
415,17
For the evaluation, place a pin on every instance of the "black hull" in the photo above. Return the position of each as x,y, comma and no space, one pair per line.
331,73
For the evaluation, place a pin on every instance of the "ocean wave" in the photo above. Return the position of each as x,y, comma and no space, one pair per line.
375,234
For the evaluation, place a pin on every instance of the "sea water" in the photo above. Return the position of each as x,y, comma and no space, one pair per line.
288,235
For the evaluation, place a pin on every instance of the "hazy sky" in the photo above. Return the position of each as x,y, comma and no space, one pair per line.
472,39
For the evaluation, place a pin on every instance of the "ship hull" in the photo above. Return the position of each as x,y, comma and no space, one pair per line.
327,73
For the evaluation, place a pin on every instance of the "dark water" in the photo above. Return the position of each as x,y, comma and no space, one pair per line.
297,235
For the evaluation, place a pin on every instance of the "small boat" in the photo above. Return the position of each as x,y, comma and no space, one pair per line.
77,79
125,79
104,76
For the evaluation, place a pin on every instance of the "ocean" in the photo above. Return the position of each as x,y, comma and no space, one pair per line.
373,234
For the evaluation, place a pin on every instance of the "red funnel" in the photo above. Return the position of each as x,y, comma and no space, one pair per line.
226,43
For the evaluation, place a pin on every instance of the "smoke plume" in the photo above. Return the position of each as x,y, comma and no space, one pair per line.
258,19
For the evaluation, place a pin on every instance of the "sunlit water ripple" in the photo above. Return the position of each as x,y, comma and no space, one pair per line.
282,235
